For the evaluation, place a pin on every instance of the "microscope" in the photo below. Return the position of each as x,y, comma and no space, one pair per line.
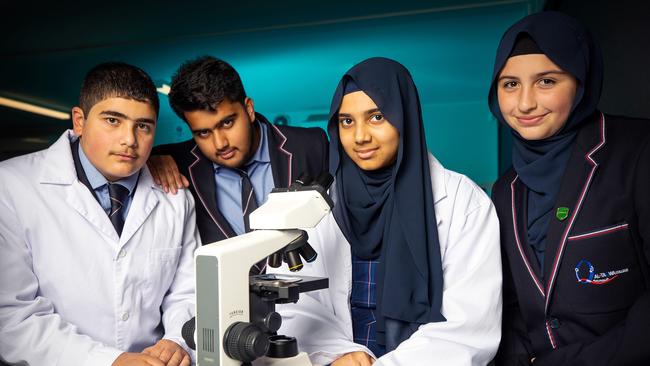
236,322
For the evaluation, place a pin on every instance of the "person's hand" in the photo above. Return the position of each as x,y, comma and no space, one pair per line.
137,359
165,173
358,358
168,352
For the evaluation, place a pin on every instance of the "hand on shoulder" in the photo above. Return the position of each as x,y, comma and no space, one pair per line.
165,173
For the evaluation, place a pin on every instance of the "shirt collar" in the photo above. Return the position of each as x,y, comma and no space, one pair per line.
97,180
261,154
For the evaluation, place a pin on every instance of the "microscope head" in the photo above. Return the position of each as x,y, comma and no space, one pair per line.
302,205
235,313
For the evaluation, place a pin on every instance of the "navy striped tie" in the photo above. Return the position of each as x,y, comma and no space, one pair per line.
248,205
248,200
118,194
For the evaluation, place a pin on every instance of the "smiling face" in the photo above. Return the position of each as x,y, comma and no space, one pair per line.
227,136
366,135
117,135
535,95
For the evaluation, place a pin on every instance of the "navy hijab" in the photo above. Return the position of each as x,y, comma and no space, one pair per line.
389,213
541,164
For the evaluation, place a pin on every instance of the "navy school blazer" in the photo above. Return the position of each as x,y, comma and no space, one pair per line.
590,304
293,151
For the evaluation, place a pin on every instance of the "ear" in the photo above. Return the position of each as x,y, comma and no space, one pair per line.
250,108
78,120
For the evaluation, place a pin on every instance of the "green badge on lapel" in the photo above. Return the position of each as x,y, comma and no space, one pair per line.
562,213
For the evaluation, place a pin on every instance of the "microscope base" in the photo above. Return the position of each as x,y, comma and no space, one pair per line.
299,360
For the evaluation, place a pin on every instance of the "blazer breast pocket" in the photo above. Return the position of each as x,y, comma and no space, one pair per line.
600,270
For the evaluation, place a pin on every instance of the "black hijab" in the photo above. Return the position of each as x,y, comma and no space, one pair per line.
541,164
389,213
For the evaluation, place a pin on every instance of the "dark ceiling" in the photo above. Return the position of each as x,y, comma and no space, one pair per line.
55,27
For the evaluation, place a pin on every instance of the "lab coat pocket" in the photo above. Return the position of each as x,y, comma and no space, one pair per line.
600,270
161,266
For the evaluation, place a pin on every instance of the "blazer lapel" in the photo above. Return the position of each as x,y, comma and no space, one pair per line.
281,158
202,178
519,209
574,187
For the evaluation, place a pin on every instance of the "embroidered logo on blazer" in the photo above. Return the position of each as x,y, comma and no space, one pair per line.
586,274
562,213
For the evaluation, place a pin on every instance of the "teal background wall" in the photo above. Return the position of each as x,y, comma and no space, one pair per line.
293,73
290,57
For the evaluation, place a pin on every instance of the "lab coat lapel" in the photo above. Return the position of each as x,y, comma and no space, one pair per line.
438,184
581,169
143,203
59,170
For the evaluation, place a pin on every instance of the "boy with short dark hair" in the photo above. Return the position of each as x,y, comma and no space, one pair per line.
236,156
97,262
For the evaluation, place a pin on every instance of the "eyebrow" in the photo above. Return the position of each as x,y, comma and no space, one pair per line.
124,116
230,116
543,73
368,112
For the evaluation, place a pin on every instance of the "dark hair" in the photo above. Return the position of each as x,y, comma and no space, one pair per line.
117,80
202,84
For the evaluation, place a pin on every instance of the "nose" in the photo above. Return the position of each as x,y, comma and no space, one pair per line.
219,139
361,134
129,135
527,100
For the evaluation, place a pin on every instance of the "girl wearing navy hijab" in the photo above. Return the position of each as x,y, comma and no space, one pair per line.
574,208
411,249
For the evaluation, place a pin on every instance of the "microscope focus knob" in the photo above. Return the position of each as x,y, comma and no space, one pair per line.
245,342
282,347
273,321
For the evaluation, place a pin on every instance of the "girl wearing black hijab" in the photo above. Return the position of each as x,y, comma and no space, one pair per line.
411,249
574,208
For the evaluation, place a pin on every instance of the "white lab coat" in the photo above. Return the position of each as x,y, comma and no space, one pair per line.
468,231
71,291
